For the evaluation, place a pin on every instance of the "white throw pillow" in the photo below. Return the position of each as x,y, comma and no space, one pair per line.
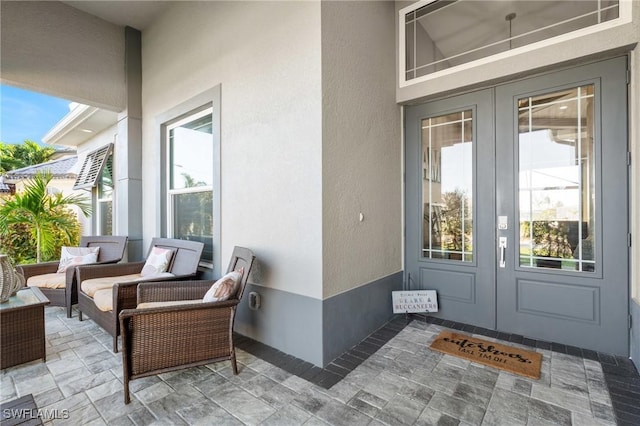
72,256
157,262
225,287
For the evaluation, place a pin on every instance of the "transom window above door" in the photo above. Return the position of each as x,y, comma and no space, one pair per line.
443,34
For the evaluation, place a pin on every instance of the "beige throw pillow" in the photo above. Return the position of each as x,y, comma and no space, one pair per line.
225,287
157,262
72,256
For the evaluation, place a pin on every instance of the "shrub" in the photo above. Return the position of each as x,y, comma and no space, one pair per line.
20,246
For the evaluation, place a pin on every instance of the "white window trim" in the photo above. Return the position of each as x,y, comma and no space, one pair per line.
99,217
210,98
623,18
172,192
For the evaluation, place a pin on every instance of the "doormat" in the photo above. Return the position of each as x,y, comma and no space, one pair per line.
504,357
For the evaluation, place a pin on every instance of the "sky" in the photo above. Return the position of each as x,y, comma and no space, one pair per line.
28,115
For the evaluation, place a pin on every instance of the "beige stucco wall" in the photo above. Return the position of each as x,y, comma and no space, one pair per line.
266,57
53,48
361,146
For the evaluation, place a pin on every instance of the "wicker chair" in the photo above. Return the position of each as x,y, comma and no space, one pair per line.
168,338
183,265
111,251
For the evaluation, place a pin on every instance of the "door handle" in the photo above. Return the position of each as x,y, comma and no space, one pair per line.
502,245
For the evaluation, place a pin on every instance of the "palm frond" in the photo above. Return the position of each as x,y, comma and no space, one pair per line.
44,213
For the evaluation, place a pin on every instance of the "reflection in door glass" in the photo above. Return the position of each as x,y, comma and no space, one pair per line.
447,187
556,180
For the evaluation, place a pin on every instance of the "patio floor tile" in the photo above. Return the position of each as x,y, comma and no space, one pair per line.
390,378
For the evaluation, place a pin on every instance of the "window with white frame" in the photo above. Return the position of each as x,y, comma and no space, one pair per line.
190,180
104,199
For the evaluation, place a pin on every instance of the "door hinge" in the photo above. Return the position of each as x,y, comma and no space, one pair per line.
630,322
628,76
628,158
629,239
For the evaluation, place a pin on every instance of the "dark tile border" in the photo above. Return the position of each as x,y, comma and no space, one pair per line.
621,376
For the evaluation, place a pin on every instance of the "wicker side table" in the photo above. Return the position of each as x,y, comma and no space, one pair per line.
22,327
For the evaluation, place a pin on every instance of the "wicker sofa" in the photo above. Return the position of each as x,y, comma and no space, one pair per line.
61,288
183,331
123,279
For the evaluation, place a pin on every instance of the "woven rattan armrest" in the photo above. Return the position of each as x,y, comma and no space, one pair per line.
170,291
125,295
129,313
110,270
38,269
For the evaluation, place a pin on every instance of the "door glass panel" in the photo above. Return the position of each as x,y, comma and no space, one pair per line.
556,180
447,186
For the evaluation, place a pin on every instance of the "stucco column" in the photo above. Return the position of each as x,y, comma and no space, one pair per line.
128,150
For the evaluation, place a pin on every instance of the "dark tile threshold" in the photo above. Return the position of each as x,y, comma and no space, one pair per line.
621,376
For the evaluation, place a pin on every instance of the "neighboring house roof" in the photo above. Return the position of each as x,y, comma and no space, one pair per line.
62,153
62,168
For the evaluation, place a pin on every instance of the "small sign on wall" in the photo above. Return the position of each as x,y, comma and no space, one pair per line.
414,301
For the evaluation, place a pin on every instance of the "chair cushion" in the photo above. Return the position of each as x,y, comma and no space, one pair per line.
71,256
225,287
104,299
90,287
54,280
147,305
157,262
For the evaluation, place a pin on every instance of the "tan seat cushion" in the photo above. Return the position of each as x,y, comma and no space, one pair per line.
104,299
147,305
48,280
90,287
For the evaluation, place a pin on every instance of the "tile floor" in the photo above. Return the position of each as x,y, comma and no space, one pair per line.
398,382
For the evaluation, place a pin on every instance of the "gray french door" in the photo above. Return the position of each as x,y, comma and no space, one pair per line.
517,206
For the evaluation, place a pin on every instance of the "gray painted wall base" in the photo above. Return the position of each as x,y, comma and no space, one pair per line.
635,333
350,317
286,321
314,330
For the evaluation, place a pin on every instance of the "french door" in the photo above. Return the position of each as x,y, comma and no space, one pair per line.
517,206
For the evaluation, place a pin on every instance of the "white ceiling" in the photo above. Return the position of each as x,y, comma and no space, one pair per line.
136,14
